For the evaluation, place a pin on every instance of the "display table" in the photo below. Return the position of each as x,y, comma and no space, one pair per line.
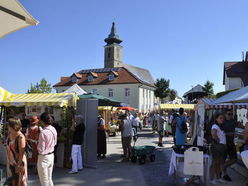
176,167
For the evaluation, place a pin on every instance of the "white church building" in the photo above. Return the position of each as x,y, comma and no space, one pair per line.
126,83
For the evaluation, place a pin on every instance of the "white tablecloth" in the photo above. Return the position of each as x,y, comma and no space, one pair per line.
173,161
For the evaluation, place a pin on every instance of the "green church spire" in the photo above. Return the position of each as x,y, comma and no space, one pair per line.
113,37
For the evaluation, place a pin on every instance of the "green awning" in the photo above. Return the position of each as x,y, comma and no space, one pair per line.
102,101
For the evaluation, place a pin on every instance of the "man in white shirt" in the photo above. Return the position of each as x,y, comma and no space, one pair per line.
127,133
135,122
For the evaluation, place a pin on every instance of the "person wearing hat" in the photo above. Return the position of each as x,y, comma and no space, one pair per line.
32,136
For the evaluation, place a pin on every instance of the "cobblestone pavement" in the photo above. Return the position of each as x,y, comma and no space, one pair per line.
111,171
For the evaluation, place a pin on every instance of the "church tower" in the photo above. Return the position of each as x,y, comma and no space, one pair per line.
113,49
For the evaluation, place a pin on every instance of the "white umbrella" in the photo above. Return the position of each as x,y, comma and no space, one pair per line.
238,96
13,17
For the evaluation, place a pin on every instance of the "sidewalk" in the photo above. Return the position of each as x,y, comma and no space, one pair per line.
112,172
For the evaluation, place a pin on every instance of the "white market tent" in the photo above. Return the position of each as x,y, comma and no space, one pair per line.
5,95
238,96
13,16
210,103
75,89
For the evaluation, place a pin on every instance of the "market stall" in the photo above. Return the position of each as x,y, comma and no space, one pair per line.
106,107
206,108
59,105
237,97
177,106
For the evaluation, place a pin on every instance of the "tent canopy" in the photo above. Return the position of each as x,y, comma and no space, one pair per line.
5,95
238,96
102,101
51,99
177,106
75,89
13,17
210,103
127,108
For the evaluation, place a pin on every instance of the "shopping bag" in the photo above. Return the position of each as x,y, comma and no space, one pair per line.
193,162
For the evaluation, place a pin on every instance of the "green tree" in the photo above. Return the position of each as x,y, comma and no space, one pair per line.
208,88
42,87
172,94
163,89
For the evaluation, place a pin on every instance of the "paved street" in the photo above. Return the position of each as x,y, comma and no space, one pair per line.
112,171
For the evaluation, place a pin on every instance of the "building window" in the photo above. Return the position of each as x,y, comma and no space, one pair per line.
74,79
118,53
90,78
94,91
111,77
109,52
127,92
110,92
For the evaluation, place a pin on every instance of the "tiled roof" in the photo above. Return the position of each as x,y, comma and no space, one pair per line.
196,89
124,75
99,70
236,69
140,73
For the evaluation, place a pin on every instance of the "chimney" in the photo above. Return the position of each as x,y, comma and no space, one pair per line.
243,56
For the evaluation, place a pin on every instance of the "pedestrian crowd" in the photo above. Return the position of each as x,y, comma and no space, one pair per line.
32,143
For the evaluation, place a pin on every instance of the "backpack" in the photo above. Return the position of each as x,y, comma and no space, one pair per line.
183,128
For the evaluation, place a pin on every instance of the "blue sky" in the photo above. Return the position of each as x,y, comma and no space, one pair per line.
185,41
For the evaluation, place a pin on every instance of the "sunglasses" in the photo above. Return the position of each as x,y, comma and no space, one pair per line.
229,114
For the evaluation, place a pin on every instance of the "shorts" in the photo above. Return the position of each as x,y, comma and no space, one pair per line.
161,133
218,151
231,151
126,142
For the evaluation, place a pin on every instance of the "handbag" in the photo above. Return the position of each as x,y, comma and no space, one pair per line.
193,162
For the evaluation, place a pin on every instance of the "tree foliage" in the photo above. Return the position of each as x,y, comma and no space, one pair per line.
208,88
163,89
42,87
172,94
